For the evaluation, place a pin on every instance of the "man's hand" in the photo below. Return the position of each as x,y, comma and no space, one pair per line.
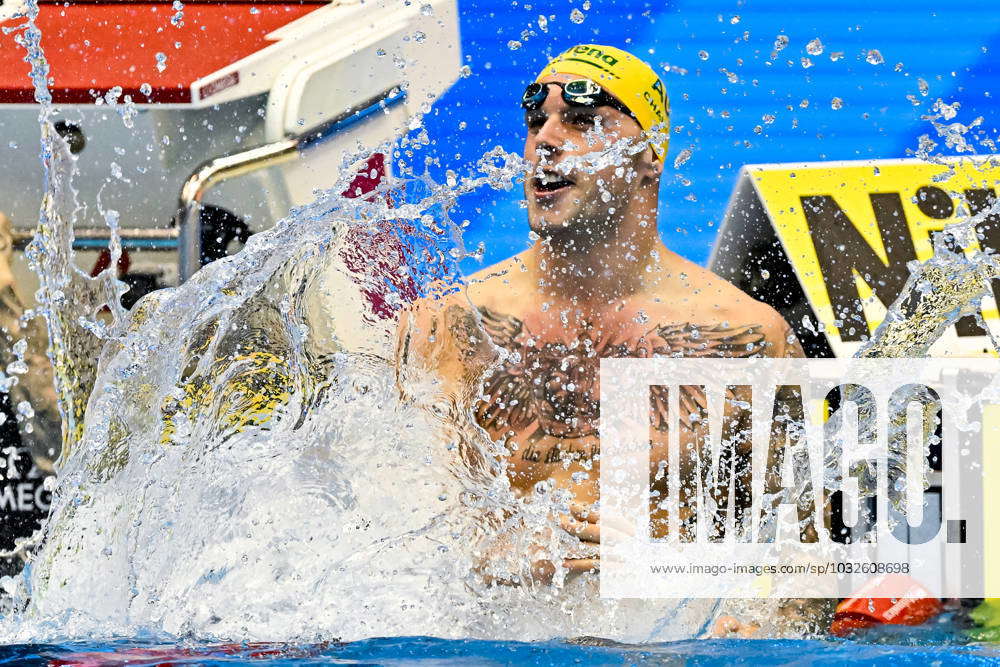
730,626
792,617
583,523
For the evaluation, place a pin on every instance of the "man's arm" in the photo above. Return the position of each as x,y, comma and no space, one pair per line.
441,339
782,341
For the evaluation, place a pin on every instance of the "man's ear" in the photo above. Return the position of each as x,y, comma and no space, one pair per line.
649,165
657,165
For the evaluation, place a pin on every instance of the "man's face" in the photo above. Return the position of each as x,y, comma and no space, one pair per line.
577,200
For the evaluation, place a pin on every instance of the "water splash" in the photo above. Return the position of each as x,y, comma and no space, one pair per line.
68,299
939,292
247,470
244,466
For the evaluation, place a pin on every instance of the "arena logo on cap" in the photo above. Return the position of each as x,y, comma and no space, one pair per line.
597,54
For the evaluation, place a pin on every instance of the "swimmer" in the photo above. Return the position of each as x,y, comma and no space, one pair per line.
597,282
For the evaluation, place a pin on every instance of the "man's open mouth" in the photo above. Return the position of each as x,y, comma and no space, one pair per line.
550,181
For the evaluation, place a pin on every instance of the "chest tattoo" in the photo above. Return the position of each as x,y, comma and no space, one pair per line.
550,388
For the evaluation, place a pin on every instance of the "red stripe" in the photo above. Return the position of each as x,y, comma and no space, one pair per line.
94,47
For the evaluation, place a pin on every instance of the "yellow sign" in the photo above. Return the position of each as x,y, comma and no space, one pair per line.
850,228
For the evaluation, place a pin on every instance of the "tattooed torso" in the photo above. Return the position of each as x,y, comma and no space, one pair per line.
542,400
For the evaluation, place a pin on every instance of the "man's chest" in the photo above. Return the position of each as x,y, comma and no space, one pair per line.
547,383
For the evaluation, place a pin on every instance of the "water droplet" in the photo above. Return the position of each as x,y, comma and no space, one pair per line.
146,89
465,71
806,63
836,103
768,118
703,54
836,55
419,36
780,42
735,19
682,157
576,16
161,61
427,10
177,20
874,57
543,23
923,87
586,5
380,53
513,45
254,10
814,47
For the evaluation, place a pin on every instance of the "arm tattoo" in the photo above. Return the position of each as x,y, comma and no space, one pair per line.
464,330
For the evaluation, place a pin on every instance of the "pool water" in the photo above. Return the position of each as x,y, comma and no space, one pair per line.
431,651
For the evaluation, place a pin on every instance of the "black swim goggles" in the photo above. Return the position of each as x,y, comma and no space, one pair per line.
576,93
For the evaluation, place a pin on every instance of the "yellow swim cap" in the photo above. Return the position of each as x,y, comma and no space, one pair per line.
624,76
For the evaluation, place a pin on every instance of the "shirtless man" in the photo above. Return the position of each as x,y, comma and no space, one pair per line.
598,282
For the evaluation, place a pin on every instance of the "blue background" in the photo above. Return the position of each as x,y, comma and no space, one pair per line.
950,45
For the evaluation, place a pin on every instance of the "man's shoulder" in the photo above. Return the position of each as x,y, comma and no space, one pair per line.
497,273
440,332
499,286
482,287
707,299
